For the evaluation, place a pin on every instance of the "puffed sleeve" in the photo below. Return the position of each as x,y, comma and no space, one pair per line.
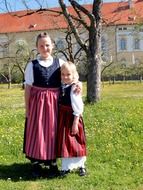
61,61
77,103
29,74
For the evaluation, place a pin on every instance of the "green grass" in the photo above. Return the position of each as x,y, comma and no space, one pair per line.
114,130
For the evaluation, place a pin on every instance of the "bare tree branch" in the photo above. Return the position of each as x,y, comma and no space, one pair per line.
80,17
81,8
106,67
72,25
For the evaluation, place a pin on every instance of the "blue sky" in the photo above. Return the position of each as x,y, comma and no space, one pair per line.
14,5
55,2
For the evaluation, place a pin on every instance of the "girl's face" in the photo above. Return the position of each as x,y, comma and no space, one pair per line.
45,47
67,76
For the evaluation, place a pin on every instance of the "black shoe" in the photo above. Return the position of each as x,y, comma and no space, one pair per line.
82,171
53,171
36,171
63,173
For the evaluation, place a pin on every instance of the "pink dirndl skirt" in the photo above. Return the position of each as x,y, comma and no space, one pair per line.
41,129
70,145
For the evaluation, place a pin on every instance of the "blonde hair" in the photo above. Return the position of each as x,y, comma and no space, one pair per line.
71,66
42,35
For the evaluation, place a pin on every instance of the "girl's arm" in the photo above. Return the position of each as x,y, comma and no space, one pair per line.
28,84
27,95
74,130
77,106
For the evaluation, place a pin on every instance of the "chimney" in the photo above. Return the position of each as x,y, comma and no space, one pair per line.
131,3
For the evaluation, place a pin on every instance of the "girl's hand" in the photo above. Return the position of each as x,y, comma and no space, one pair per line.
74,130
77,88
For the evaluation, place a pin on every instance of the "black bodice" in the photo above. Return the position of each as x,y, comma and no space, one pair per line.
47,77
65,98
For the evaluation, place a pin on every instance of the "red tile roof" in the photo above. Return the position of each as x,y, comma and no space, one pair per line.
37,21
120,13
115,13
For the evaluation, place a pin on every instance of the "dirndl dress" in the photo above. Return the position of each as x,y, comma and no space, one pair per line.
41,126
69,145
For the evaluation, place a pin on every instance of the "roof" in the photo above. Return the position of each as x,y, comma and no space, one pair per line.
115,13
17,22
120,13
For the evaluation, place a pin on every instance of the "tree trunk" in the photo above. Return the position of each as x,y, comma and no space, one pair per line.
94,80
9,77
90,46
140,78
9,84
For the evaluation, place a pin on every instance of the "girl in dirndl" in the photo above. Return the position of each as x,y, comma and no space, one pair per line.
42,84
71,146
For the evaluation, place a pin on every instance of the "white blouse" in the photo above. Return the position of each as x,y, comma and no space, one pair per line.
76,102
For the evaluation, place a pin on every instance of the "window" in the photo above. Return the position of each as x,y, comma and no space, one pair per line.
137,61
122,28
5,50
123,44
21,43
136,44
123,63
141,29
4,47
21,50
60,44
104,49
119,28
103,44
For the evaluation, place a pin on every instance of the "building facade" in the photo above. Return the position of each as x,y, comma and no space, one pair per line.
122,34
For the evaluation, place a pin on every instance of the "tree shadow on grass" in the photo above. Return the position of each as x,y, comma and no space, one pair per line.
16,172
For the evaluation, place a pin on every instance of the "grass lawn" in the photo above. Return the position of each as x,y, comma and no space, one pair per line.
114,130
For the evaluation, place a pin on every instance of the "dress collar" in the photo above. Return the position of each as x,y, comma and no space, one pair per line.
50,58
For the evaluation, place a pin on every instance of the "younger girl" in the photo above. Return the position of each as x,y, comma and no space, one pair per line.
71,134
